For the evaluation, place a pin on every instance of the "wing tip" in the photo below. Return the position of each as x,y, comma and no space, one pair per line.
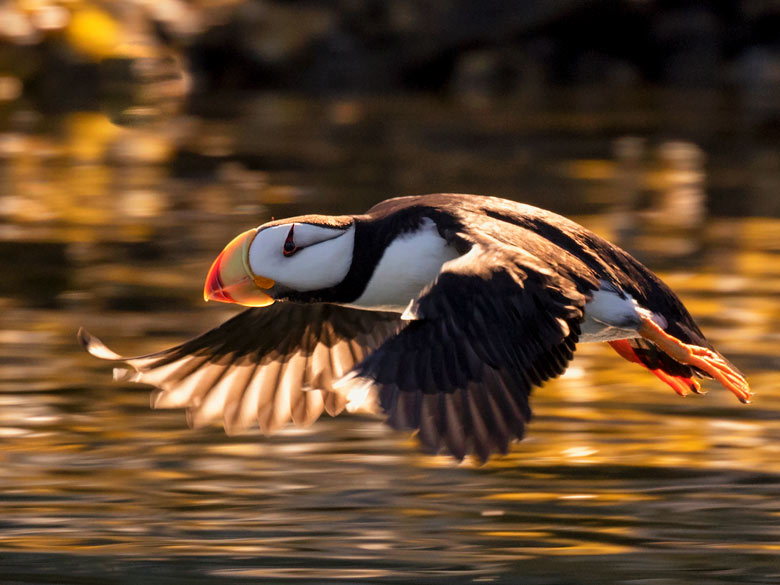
81,334
95,347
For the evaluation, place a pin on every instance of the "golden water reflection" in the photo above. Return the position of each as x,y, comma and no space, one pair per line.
618,479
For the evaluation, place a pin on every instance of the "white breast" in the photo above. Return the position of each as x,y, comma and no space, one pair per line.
410,262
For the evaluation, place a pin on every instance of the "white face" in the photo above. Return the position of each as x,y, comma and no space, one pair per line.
319,256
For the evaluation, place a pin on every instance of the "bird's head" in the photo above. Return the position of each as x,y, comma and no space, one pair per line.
299,254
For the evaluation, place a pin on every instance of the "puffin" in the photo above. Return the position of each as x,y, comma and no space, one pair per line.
439,312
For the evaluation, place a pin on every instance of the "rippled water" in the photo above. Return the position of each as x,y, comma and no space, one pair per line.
618,481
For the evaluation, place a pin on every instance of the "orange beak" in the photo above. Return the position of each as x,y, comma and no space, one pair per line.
230,278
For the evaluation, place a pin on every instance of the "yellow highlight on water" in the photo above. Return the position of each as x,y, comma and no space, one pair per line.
93,32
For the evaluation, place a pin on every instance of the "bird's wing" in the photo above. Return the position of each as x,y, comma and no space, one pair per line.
269,364
494,324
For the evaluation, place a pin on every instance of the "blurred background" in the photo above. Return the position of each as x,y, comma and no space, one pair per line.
138,137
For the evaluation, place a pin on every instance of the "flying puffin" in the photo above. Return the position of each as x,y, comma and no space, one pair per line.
440,311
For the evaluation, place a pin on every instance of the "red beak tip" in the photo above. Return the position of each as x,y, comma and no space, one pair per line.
218,294
229,280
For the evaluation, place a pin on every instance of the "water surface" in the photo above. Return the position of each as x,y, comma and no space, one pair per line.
618,481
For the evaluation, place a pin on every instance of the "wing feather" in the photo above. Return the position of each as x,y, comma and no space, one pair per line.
266,365
241,412
490,328
430,437
454,431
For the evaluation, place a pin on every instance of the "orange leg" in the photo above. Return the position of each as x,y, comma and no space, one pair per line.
699,357
680,384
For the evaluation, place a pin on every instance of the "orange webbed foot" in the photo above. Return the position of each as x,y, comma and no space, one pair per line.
698,357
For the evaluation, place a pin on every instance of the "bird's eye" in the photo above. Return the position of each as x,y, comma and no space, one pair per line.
289,247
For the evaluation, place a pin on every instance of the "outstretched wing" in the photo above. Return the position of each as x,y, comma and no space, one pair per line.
268,364
493,325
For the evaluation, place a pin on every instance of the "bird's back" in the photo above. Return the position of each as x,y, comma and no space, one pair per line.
561,238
